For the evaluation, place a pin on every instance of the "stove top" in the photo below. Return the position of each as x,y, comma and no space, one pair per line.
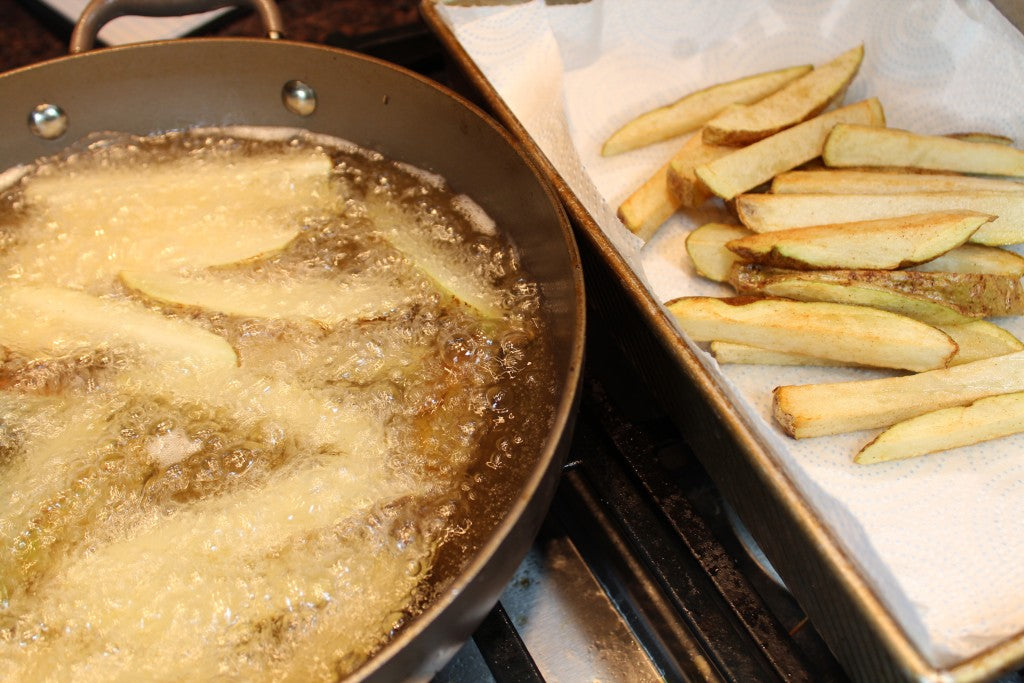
640,573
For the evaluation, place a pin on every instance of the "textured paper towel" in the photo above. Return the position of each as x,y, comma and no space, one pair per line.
135,29
940,538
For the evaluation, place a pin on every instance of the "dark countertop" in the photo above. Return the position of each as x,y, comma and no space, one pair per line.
31,32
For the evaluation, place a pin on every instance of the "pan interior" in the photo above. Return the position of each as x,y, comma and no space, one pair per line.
292,505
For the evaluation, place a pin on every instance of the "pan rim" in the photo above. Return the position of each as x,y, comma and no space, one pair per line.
545,469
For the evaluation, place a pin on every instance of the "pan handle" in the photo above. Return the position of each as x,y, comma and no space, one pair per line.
99,12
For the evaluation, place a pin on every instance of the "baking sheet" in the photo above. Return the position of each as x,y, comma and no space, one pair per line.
939,538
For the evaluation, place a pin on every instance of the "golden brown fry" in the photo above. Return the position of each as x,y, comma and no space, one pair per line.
980,339
706,248
975,340
767,212
925,296
730,352
849,181
854,145
758,163
976,258
689,113
885,243
649,206
987,418
683,182
977,136
848,333
822,409
652,203
801,99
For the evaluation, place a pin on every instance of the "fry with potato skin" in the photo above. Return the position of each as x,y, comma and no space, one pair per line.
975,340
980,339
748,167
62,321
979,136
768,212
987,418
649,206
885,243
849,333
744,354
751,279
854,145
822,409
706,248
652,203
798,101
683,183
690,112
976,258
970,295
857,181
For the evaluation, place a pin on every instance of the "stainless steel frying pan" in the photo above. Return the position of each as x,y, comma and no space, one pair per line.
169,85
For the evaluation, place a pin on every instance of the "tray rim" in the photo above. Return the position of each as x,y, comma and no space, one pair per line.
901,656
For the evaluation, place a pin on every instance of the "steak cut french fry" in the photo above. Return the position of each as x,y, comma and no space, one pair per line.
798,101
848,181
885,243
974,295
848,333
854,145
706,248
743,354
756,280
976,258
689,113
978,136
810,410
980,339
768,212
45,321
652,203
975,340
748,167
985,419
329,302
683,183
649,206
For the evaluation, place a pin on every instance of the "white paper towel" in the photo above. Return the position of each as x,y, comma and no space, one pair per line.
940,538
136,29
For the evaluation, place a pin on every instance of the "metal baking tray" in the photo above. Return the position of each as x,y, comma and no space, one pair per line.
847,612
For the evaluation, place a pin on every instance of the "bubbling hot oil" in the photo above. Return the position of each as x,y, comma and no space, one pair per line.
275,519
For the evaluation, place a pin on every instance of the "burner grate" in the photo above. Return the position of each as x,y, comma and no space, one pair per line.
654,535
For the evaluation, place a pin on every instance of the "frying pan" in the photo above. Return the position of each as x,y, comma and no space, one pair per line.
160,86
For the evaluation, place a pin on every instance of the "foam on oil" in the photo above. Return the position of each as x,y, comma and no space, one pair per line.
164,517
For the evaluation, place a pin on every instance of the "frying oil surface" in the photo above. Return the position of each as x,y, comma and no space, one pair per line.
244,386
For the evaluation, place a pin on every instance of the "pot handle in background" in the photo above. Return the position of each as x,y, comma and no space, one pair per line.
99,12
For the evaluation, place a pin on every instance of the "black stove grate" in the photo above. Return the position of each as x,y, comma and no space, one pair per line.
653,530
503,651
636,505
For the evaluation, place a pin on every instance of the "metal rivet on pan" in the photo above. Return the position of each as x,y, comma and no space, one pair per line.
299,98
48,121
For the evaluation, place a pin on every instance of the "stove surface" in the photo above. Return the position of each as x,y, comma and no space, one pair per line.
640,573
